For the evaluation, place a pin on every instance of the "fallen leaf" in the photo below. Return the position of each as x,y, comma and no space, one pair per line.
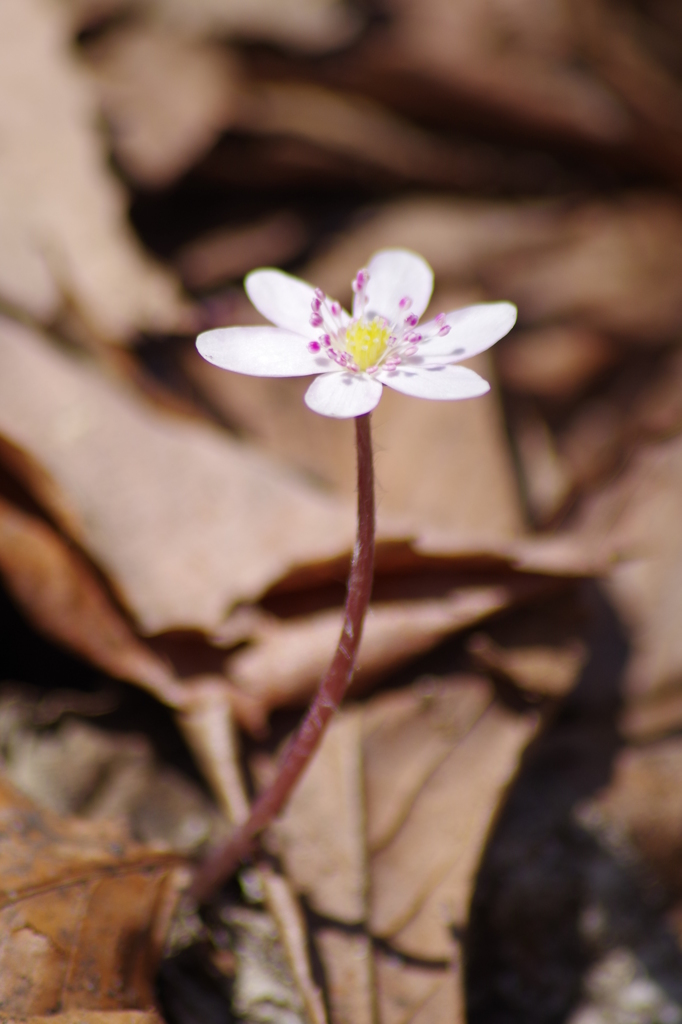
84,913
643,802
61,595
65,211
348,967
556,363
166,96
320,835
161,501
546,671
387,827
228,253
519,62
409,993
421,881
636,517
285,659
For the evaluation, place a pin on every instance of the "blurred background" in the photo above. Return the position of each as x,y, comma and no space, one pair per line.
163,522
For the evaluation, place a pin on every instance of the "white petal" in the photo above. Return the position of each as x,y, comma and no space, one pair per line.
395,274
473,330
282,299
343,394
438,382
262,352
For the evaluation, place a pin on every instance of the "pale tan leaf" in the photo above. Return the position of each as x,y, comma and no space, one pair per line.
554,362
407,734
286,659
228,253
61,595
520,60
547,671
421,881
66,212
167,97
348,963
637,518
408,993
162,502
320,836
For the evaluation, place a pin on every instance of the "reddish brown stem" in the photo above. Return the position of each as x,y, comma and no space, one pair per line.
222,863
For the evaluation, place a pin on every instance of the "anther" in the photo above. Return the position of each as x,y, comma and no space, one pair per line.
405,303
316,320
411,320
314,346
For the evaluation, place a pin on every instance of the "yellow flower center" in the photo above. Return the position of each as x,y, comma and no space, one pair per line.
366,341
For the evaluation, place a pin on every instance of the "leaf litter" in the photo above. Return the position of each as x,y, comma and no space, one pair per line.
188,532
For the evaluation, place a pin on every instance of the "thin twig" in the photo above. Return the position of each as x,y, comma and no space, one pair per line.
221,864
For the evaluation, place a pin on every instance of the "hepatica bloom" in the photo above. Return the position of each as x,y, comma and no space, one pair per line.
354,357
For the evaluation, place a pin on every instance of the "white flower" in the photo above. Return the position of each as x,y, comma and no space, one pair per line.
382,343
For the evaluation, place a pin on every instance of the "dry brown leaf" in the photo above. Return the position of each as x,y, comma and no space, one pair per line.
185,521
411,994
286,659
358,130
556,363
61,595
421,881
637,517
643,801
519,60
614,267
167,96
447,464
347,960
407,734
546,671
230,252
547,478
84,913
417,792
64,212
320,836
458,237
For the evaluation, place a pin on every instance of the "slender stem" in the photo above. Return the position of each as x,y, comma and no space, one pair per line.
220,864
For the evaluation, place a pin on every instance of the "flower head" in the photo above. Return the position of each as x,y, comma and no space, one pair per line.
353,357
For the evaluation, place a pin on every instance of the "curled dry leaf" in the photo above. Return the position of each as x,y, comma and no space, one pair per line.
60,594
84,914
520,61
184,521
63,209
230,252
545,671
420,994
359,131
166,95
387,827
637,518
556,363
643,802
613,267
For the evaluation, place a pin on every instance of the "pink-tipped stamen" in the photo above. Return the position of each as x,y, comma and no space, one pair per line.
314,346
316,320
411,320
405,303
